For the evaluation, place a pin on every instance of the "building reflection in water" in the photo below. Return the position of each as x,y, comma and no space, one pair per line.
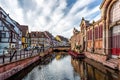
90,70
60,55
54,67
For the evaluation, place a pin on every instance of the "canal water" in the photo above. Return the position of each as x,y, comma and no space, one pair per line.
60,66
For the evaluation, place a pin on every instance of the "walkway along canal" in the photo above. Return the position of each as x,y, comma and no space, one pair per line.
60,66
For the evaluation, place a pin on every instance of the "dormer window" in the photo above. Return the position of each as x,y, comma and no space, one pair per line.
42,36
34,35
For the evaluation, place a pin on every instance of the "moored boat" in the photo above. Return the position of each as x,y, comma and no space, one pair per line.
76,54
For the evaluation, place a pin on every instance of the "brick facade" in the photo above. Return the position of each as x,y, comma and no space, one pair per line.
103,36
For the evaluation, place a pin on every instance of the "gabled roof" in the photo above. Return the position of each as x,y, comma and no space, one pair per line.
84,22
16,23
8,21
24,29
8,26
75,31
48,34
41,35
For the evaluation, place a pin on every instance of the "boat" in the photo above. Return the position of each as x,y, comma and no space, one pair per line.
76,54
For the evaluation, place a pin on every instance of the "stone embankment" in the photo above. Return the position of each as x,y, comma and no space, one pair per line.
111,63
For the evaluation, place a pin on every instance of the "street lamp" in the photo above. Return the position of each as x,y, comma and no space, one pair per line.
43,41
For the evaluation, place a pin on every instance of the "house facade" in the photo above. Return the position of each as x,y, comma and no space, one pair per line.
111,20
10,34
61,41
76,40
25,36
103,36
39,39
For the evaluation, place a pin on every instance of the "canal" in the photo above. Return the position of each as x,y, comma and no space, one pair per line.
60,66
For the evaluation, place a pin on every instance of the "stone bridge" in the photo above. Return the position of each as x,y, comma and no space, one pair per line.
61,48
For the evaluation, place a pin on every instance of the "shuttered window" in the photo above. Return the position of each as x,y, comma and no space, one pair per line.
100,31
96,33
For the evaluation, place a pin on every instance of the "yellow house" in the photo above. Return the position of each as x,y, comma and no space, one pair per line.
25,35
61,38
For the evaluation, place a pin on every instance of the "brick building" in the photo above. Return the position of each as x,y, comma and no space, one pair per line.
103,36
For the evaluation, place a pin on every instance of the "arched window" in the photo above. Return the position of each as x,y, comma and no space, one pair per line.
115,12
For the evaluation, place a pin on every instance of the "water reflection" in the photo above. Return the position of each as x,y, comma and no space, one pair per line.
59,68
90,70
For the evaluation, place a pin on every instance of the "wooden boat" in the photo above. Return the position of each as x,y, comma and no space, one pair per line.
76,54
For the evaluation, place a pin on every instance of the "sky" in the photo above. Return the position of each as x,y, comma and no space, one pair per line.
59,17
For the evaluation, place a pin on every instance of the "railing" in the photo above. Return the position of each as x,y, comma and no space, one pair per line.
17,55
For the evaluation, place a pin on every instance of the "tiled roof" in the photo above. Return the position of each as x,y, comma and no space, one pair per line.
87,23
48,34
36,34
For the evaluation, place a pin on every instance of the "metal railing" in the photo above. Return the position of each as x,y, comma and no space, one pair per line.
16,55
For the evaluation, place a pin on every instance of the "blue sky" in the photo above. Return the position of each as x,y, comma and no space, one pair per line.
56,16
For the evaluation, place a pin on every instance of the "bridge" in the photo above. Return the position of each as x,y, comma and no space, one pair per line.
61,48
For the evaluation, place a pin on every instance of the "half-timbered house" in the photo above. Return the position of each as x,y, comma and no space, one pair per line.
10,34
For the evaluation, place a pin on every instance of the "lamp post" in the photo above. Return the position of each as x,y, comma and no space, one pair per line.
43,42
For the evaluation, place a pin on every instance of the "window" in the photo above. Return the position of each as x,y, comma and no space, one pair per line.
1,28
0,23
0,14
90,34
5,29
2,35
34,35
7,34
115,12
42,36
96,33
100,31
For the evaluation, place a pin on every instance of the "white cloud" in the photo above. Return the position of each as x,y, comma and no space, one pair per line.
13,9
49,15
80,4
